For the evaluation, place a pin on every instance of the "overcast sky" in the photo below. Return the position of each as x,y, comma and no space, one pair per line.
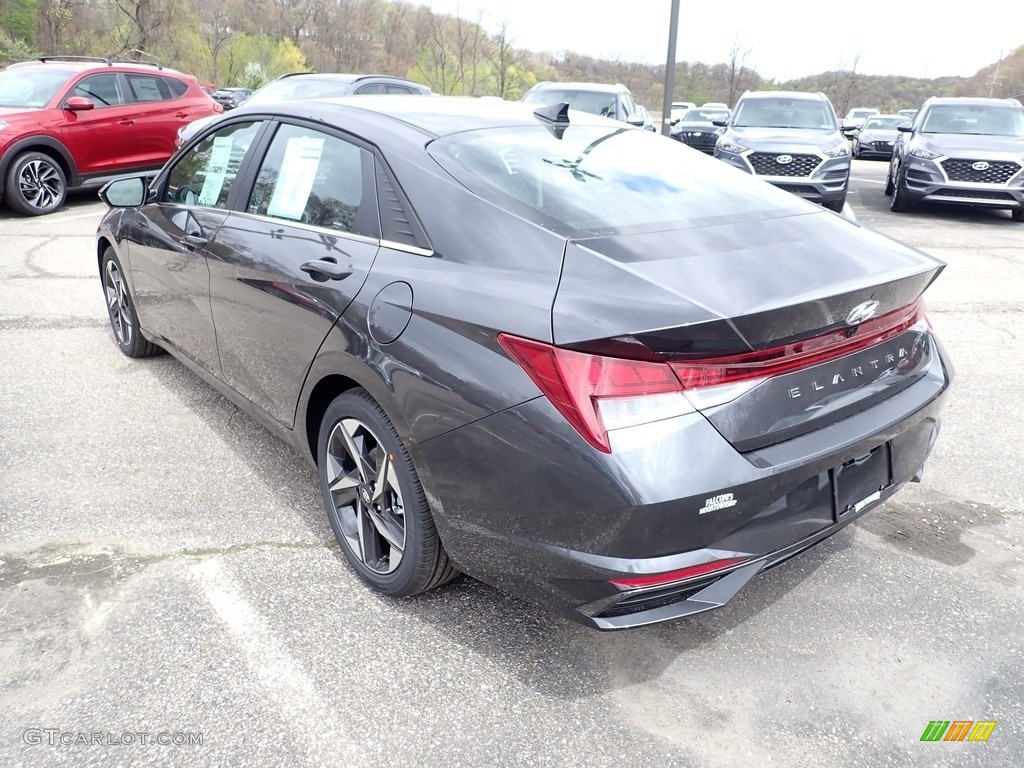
786,38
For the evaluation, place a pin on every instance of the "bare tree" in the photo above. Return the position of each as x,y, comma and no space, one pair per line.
507,62
737,69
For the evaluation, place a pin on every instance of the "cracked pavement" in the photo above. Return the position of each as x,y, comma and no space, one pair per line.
166,566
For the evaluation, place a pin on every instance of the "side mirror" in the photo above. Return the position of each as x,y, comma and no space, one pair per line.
124,193
79,104
720,123
636,120
905,127
849,128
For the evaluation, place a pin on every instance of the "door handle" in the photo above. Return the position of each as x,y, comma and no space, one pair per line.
126,122
326,270
181,115
193,241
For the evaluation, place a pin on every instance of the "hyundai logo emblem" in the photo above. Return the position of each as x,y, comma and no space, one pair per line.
862,312
980,166
784,159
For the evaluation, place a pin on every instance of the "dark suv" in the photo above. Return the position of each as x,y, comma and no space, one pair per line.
963,151
614,101
792,140
317,85
69,122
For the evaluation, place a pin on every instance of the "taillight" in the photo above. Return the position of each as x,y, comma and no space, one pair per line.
671,577
596,393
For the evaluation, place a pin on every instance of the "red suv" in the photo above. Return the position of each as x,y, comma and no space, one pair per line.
72,122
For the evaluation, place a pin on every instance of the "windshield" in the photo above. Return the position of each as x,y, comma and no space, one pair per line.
857,114
293,88
31,88
595,102
597,181
784,113
883,123
977,119
705,115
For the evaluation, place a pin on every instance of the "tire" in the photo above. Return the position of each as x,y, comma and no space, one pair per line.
836,205
35,184
1018,215
888,181
124,321
899,202
379,514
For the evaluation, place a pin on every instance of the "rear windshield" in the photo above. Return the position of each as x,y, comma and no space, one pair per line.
599,180
883,123
784,113
294,88
30,87
984,119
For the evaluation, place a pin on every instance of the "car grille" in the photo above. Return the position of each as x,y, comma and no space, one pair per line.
799,189
882,146
706,141
766,164
973,194
998,172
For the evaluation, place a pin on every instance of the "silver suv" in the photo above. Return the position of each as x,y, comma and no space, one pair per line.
792,140
614,101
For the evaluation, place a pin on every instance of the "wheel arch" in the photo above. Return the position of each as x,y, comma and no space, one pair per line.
317,402
48,146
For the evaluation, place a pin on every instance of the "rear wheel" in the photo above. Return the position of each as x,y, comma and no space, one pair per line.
36,184
374,500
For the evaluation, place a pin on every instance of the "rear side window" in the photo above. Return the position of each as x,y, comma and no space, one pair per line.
176,87
145,88
396,89
596,180
372,88
205,175
316,179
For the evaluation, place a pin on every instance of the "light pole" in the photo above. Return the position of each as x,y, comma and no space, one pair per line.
670,70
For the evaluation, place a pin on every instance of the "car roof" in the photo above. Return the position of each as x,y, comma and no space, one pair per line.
784,95
86,63
436,115
600,87
348,77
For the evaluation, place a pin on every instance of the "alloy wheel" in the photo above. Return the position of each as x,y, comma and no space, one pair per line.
117,303
365,496
40,184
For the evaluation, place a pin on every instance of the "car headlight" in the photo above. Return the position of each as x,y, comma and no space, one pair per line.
924,154
731,146
839,150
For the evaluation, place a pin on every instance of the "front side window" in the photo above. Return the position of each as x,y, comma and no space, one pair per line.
596,180
205,174
316,179
102,90
30,87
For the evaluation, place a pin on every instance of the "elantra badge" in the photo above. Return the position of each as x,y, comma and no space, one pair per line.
784,159
862,312
981,165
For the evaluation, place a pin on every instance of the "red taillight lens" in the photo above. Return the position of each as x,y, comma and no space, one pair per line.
671,577
575,382
710,372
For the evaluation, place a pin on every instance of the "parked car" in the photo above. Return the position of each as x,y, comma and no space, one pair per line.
714,105
697,128
317,85
649,123
876,137
584,364
792,140
229,98
966,151
907,114
614,101
679,108
856,117
76,122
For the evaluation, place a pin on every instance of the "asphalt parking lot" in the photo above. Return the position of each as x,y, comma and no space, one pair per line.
166,568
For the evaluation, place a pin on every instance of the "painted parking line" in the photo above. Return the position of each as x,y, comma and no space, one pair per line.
868,181
848,211
46,220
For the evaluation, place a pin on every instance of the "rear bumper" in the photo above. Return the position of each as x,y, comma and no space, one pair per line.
522,505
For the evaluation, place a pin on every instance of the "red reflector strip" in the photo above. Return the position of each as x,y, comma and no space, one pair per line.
671,577
710,372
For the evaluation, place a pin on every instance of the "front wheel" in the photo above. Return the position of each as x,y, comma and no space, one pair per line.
888,181
899,202
1018,215
36,184
121,309
374,500
836,205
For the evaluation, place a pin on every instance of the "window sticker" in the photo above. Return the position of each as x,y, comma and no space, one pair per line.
216,171
295,182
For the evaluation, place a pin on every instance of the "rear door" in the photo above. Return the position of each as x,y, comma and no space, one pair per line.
285,265
159,111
